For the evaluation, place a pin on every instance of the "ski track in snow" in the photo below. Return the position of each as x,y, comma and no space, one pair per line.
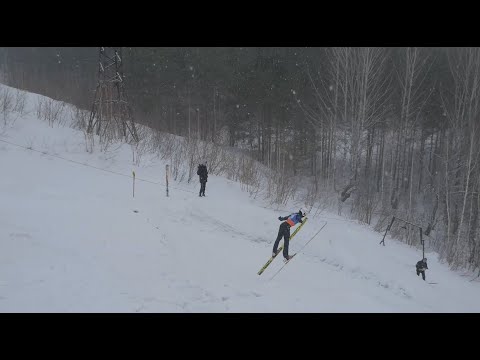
355,273
226,228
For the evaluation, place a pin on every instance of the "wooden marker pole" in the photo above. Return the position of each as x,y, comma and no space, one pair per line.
166,177
133,172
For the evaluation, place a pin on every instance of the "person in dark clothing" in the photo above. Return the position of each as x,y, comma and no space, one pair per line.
421,267
203,174
284,231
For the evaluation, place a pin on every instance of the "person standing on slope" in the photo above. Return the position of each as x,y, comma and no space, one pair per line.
203,174
284,231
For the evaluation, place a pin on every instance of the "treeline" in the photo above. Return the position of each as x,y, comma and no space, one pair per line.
389,131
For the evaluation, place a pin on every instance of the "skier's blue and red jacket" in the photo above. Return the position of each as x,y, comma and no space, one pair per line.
292,219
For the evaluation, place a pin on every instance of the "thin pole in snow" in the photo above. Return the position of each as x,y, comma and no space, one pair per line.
388,228
133,172
166,177
423,243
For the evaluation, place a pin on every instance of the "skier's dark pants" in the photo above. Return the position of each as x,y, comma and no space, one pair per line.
421,272
283,231
202,187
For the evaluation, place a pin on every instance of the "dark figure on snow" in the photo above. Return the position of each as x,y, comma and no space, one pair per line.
284,231
421,267
203,174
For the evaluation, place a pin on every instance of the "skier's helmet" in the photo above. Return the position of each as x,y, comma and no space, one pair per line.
425,259
302,211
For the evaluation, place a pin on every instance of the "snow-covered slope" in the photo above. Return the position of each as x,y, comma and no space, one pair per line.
72,239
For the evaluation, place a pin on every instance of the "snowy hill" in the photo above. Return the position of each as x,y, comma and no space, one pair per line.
73,239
